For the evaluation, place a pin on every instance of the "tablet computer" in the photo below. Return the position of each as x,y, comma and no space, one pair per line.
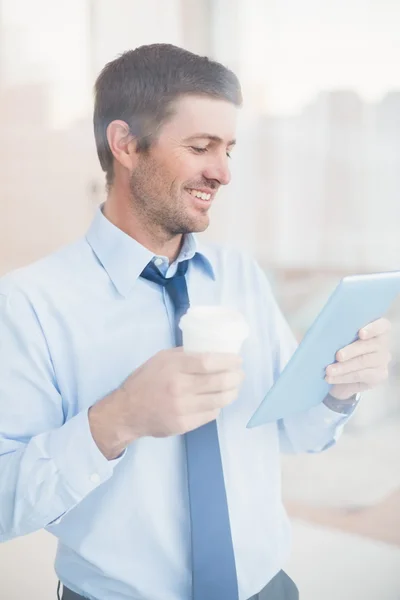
356,301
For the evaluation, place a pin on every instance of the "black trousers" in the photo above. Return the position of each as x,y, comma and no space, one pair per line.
281,587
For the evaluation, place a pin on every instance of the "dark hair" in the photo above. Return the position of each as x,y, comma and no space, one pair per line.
140,86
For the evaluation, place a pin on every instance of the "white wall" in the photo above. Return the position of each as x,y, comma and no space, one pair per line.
124,24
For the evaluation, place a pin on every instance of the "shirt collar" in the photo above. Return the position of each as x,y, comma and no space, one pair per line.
123,258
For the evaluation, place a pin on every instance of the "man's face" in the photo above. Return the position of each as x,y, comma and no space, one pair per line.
175,183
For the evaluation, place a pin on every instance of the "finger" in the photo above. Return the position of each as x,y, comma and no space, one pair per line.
344,392
200,419
369,376
365,361
210,362
216,382
358,348
374,329
210,402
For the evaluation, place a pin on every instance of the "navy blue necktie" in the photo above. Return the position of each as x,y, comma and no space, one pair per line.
213,560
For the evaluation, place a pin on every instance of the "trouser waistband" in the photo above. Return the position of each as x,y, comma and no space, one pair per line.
281,587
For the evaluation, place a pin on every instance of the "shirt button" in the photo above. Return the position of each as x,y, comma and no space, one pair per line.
95,478
158,262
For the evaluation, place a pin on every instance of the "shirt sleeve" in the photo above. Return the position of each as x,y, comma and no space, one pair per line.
316,429
47,464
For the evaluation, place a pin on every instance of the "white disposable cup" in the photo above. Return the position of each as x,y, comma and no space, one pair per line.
213,329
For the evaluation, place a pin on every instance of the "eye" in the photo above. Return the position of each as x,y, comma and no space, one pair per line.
229,155
198,150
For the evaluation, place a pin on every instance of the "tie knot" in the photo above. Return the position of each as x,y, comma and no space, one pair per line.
176,289
151,273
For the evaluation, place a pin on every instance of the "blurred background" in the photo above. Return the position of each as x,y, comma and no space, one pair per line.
314,196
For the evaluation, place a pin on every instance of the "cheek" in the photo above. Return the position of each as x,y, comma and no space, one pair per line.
186,167
176,171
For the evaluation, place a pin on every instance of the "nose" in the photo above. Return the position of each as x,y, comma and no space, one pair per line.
218,169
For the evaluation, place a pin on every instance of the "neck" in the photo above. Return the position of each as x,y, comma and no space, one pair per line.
120,211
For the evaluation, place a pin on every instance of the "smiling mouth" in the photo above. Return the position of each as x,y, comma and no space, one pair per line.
200,195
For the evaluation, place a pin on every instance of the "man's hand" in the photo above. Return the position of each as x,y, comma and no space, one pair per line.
170,394
363,364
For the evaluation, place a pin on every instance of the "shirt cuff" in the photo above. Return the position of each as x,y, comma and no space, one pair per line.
79,461
330,423
321,415
344,407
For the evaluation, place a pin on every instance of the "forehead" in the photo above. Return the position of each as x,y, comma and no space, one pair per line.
197,114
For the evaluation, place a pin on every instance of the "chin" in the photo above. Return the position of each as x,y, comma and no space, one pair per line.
191,225
200,225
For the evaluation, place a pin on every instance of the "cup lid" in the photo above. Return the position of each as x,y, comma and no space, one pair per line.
220,320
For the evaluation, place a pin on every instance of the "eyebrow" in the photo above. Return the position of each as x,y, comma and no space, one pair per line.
208,136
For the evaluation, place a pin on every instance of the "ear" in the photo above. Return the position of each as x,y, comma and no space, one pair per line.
122,144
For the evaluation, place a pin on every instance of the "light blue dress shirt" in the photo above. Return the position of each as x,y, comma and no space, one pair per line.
73,326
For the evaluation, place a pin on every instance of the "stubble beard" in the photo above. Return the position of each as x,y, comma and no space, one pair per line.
158,205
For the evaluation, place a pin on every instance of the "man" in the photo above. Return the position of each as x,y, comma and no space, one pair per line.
101,413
